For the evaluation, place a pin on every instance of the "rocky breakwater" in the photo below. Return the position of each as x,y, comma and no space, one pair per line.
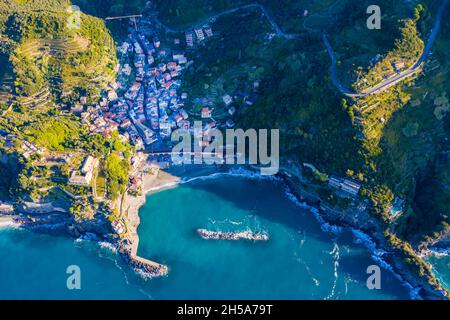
243,235
147,269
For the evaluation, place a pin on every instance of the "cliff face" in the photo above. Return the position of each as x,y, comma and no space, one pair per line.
9,168
397,255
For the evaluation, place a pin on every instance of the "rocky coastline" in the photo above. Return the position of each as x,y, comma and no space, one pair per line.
100,230
423,287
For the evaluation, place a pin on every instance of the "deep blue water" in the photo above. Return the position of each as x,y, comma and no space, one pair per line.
300,261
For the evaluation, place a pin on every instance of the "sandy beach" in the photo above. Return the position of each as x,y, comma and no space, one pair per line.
153,179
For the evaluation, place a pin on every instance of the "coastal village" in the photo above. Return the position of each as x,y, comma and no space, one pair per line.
144,104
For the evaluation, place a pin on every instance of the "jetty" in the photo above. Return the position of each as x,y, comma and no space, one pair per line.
242,235
147,268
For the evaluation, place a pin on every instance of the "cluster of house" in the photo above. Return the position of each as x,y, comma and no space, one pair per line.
95,117
154,104
347,186
84,176
145,102
198,35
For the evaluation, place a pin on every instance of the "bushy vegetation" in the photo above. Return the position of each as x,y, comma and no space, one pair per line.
407,50
54,134
116,172
405,137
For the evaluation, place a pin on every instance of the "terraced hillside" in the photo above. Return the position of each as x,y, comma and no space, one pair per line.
50,54
48,61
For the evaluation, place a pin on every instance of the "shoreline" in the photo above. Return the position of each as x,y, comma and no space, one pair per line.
331,221
153,179
370,236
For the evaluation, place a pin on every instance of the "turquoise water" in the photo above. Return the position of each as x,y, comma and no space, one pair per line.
299,260
440,264
33,266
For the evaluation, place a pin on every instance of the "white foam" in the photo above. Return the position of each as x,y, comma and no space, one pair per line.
377,255
336,256
233,172
108,246
440,252
360,237
325,226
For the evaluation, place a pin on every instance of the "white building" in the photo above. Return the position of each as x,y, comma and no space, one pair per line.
227,99
87,173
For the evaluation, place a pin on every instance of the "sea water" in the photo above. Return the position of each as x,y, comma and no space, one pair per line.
440,264
301,260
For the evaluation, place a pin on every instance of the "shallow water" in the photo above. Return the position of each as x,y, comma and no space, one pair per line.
300,261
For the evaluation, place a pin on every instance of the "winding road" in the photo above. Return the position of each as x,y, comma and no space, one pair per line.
394,80
415,68
214,17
